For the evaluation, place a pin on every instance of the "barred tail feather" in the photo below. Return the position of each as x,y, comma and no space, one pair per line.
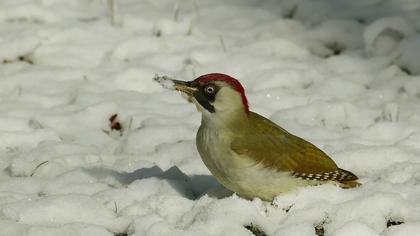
338,175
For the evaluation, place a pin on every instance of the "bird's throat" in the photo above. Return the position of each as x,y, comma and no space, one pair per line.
233,120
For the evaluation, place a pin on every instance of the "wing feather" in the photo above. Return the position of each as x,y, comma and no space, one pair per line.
277,149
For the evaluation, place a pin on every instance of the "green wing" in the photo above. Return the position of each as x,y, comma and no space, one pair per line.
277,149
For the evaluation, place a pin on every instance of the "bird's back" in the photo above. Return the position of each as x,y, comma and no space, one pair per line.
280,150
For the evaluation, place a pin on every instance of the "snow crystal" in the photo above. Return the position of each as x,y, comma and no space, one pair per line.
165,81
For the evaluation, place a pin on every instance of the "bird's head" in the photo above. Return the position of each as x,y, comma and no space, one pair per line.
215,94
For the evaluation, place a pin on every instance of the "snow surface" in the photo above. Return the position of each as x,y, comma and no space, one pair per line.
342,74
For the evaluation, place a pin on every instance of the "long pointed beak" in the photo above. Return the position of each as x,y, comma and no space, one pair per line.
186,87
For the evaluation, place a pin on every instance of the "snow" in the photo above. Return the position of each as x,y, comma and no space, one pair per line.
355,228
165,81
341,74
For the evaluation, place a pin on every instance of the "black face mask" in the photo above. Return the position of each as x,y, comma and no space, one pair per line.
206,95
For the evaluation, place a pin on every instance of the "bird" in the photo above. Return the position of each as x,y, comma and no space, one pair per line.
248,153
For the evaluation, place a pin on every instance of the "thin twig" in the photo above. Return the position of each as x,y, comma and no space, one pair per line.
222,42
111,8
39,165
176,11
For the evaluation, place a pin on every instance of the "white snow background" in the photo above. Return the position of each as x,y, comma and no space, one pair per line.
341,74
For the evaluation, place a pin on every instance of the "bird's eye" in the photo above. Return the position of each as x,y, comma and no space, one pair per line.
209,89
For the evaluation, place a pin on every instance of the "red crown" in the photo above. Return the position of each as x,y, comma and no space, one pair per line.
234,83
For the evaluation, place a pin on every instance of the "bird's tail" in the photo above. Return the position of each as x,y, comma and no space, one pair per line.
350,184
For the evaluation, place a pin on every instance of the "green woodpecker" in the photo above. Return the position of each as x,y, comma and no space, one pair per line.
249,154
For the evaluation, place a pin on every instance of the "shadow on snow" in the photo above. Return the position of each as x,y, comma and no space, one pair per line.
191,187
